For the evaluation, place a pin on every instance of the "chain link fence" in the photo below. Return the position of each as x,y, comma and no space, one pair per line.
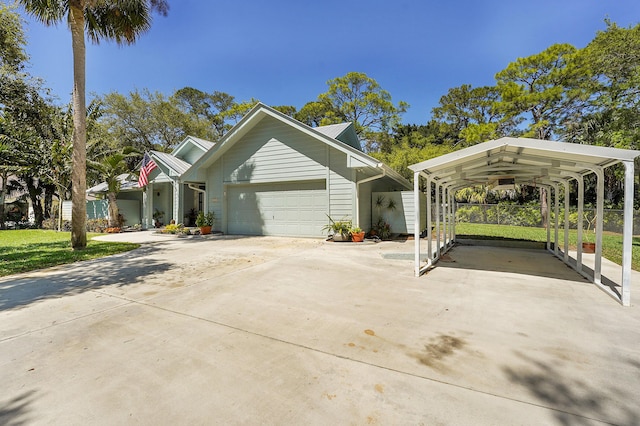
529,215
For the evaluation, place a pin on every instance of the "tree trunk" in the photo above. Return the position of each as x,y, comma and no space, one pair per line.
48,201
113,210
3,191
61,198
79,156
35,195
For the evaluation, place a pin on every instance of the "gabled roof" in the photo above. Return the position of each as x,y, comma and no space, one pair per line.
127,181
525,160
344,132
203,144
174,164
355,157
333,130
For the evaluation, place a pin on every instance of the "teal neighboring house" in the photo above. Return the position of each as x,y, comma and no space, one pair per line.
273,175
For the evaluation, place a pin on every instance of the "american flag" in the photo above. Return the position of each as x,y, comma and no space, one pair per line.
147,166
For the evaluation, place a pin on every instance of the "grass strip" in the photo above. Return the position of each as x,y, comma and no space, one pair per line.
30,249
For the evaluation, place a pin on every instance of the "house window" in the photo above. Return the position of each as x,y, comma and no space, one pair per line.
200,201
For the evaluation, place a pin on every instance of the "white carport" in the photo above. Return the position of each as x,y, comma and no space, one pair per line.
542,163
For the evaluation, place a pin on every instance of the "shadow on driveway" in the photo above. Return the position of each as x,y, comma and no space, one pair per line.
575,400
117,270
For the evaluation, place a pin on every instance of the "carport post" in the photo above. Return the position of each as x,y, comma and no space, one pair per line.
437,220
580,180
597,270
556,214
627,234
429,219
548,218
567,199
416,222
444,218
454,207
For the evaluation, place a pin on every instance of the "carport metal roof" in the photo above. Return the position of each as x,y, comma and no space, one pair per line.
509,161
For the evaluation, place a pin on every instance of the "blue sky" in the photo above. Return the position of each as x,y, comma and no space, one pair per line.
282,52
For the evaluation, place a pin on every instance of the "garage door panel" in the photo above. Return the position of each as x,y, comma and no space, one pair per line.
296,209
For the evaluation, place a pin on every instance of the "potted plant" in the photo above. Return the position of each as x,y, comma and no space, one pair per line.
157,215
382,229
357,234
339,230
205,222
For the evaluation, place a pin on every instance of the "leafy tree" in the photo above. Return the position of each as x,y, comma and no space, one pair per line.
613,116
289,110
12,60
407,152
357,98
110,168
545,89
208,108
12,40
119,20
148,120
239,110
473,112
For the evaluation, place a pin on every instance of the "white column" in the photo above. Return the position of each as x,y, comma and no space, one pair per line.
416,225
597,271
444,216
548,217
627,234
453,215
437,220
580,181
145,201
556,213
567,199
429,219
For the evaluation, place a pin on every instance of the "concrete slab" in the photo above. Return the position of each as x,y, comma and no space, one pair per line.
272,330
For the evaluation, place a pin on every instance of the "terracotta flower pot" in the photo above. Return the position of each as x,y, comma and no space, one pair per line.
204,230
588,247
357,237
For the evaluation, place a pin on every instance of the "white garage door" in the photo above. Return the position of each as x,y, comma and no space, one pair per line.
293,209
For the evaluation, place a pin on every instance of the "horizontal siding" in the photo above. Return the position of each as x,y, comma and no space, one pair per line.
274,152
214,196
340,186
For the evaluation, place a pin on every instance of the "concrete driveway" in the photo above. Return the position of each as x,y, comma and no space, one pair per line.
233,330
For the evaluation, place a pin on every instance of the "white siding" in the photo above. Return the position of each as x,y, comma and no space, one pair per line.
215,195
274,152
401,218
341,186
365,206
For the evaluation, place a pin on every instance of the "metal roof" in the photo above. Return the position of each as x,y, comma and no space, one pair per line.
177,165
333,130
127,181
521,161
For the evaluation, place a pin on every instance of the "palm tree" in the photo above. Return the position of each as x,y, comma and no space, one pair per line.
119,20
110,168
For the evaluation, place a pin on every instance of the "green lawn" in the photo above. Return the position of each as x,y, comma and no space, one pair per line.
28,249
611,243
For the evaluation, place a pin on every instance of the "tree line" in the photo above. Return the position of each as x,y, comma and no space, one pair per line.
587,96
